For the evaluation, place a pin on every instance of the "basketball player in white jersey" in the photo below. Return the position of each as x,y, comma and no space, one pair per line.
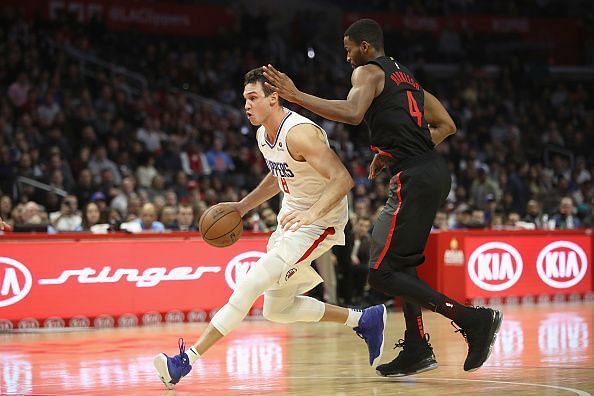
311,220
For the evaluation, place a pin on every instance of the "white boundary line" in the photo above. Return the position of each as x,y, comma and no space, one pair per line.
410,379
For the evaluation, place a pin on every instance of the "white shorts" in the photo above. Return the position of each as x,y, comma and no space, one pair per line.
298,249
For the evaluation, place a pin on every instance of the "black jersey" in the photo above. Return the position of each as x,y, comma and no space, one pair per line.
396,121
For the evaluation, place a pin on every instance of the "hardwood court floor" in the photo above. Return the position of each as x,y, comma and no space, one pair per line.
541,350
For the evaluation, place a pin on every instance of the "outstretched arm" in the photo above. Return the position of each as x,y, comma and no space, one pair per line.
267,189
441,124
307,142
364,80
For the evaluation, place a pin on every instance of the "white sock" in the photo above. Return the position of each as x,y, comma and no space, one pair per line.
353,318
193,355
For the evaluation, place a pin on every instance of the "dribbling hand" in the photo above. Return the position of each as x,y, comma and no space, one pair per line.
280,83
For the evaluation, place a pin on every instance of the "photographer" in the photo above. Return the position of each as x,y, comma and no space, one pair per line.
68,217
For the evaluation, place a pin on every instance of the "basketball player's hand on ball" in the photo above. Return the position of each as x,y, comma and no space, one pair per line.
280,83
376,166
295,219
235,205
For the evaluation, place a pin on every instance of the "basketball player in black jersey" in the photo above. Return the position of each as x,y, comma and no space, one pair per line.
405,123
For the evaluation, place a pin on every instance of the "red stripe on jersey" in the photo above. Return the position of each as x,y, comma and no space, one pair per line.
381,152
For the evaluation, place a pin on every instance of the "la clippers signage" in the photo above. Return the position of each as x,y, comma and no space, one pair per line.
527,265
90,278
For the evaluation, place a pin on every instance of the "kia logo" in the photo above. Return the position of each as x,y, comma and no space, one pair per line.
238,267
562,264
495,266
15,281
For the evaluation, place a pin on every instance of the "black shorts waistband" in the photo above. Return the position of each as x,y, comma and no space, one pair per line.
410,162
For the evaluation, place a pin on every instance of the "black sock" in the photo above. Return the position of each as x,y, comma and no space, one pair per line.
414,321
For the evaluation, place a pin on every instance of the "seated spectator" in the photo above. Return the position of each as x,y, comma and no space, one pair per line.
360,257
168,217
565,218
185,219
441,221
534,214
496,220
588,221
146,170
100,199
91,219
146,222
6,209
269,219
68,217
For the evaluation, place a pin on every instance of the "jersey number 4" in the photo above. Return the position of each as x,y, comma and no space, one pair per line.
413,108
285,185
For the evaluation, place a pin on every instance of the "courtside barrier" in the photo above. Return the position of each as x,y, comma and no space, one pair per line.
511,266
85,280
124,280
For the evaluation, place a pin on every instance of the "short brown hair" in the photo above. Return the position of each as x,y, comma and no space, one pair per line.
255,75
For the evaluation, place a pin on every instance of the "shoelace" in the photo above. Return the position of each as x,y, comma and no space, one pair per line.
183,358
402,343
460,330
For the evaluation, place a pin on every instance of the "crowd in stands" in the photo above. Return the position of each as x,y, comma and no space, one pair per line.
153,160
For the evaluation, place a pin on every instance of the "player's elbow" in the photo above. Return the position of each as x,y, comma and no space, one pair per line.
349,183
354,119
450,128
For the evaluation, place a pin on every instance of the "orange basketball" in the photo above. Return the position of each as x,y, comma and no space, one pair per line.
221,225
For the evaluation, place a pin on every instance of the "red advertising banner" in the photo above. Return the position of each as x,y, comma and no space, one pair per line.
148,17
563,36
88,278
527,265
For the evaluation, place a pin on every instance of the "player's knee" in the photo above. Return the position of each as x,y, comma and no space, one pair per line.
276,316
379,280
274,311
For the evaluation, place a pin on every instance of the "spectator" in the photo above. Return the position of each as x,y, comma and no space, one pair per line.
360,257
441,221
481,187
146,171
92,219
18,92
588,221
185,219
168,217
100,162
534,214
269,219
565,218
146,222
6,209
68,217
219,160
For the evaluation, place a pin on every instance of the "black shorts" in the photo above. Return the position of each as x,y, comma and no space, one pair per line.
418,187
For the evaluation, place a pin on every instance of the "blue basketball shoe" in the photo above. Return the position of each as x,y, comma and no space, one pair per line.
172,369
372,326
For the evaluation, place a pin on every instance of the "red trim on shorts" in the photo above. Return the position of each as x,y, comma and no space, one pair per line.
392,225
327,231
380,151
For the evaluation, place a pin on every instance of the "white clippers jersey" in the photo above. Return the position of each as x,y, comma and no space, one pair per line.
301,184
